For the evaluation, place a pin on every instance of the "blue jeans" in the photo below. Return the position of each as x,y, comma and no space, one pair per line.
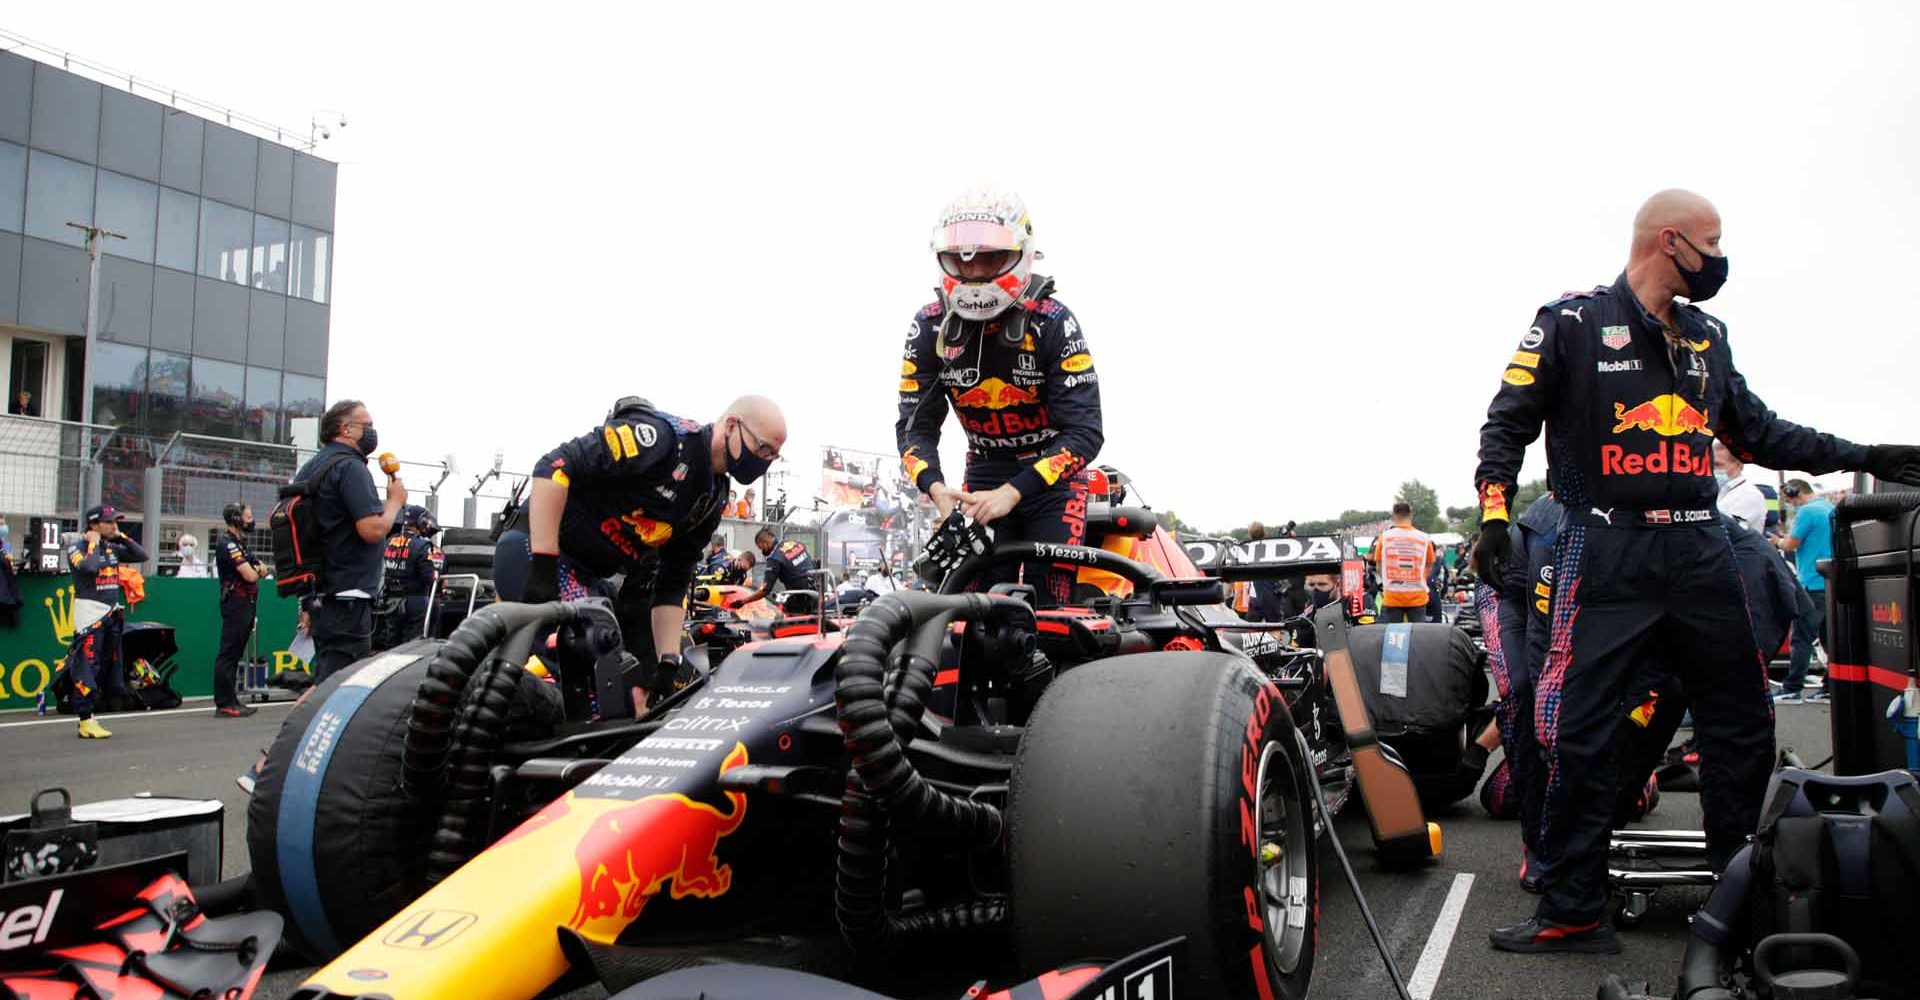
1810,626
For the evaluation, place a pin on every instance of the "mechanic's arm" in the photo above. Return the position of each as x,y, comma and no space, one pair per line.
1756,434
923,408
1516,414
672,579
611,451
1073,406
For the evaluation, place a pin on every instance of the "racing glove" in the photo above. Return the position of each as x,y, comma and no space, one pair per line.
1494,547
957,539
1895,463
543,580
670,674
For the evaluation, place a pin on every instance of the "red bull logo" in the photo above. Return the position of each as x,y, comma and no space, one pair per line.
912,464
1667,415
1666,456
660,842
1886,614
1058,464
994,394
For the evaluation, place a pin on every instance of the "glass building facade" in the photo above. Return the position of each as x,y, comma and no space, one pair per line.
213,311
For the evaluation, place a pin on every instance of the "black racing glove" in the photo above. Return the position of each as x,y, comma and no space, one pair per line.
670,674
958,539
1491,552
543,580
1895,463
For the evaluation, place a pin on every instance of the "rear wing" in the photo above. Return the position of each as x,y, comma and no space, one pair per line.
1267,559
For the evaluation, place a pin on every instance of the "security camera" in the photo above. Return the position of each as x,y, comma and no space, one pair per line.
326,133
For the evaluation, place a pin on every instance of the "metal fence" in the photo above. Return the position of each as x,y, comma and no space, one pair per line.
50,467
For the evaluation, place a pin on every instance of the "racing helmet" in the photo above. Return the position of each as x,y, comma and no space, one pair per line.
984,245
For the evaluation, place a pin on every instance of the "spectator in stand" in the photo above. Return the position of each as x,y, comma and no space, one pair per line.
746,506
192,566
733,504
1404,555
1810,541
1740,498
21,405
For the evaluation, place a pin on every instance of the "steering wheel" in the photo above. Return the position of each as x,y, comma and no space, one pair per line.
1141,575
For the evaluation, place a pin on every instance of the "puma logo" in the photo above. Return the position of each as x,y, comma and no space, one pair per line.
1575,313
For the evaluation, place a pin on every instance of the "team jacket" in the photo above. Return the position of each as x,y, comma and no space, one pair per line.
96,567
229,554
790,563
1038,403
412,564
640,487
1630,418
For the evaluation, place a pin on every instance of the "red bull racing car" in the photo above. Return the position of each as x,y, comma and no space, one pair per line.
952,775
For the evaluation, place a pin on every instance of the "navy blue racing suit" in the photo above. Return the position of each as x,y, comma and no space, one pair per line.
792,567
643,498
1642,561
1031,413
93,658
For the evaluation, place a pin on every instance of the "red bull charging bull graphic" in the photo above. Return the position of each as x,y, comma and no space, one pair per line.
1669,416
995,394
662,842
1666,415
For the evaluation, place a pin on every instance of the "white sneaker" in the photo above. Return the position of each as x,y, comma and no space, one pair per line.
1788,699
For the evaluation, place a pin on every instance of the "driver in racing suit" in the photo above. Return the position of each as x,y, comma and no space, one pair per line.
1012,363
1633,388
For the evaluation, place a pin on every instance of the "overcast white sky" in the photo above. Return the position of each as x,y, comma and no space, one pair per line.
1301,241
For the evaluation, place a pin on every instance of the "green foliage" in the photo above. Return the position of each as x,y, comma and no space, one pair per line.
1425,503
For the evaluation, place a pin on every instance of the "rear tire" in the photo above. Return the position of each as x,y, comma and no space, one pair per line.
468,550
1164,795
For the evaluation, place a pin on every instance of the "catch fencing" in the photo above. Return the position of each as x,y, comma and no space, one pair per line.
50,467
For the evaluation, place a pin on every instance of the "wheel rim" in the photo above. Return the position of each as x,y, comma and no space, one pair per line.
1285,899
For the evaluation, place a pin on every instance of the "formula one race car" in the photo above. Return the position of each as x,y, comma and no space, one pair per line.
952,774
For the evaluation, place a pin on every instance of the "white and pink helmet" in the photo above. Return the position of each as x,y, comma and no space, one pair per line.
984,243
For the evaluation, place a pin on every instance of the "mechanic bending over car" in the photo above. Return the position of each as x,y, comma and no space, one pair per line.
790,566
642,494
1012,362
1633,389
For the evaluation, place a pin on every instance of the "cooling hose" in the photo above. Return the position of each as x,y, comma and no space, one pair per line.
1713,943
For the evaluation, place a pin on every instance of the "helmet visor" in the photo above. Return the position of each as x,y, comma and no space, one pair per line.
977,265
975,234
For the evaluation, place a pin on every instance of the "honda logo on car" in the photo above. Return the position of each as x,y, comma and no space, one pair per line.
1206,553
28,925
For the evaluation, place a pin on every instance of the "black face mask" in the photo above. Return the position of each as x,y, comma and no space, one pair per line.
1321,598
746,467
1704,283
369,439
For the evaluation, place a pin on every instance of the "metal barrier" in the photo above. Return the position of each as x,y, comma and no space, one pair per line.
50,467
191,479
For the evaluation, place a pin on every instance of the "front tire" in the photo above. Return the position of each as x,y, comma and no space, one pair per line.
1164,795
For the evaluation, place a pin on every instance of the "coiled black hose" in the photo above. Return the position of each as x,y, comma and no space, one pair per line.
879,711
430,722
477,735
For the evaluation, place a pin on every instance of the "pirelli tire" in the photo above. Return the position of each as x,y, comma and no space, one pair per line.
468,550
337,844
1164,795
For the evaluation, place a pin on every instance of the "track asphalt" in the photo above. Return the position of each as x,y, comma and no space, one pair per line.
193,753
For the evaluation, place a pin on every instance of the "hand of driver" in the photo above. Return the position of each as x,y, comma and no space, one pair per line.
1895,463
945,498
543,580
992,505
1491,552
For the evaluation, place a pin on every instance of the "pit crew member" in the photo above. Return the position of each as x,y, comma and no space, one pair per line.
1633,388
94,559
791,566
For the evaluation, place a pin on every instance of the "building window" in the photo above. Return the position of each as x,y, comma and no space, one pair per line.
312,263
261,421
303,396
219,393
179,230
226,242
167,384
13,185
119,384
126,206
59,191
269,254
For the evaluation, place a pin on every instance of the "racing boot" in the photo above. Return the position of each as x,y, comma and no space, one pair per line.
91,729
1537,936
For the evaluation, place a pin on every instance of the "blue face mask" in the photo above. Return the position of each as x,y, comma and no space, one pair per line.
1720,478
5,530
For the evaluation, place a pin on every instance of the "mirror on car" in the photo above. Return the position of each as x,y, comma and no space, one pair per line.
1187,592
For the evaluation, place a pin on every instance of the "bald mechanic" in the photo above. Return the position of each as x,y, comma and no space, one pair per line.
1633,389
642,493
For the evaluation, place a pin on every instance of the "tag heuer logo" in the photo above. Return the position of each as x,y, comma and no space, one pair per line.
1615,337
